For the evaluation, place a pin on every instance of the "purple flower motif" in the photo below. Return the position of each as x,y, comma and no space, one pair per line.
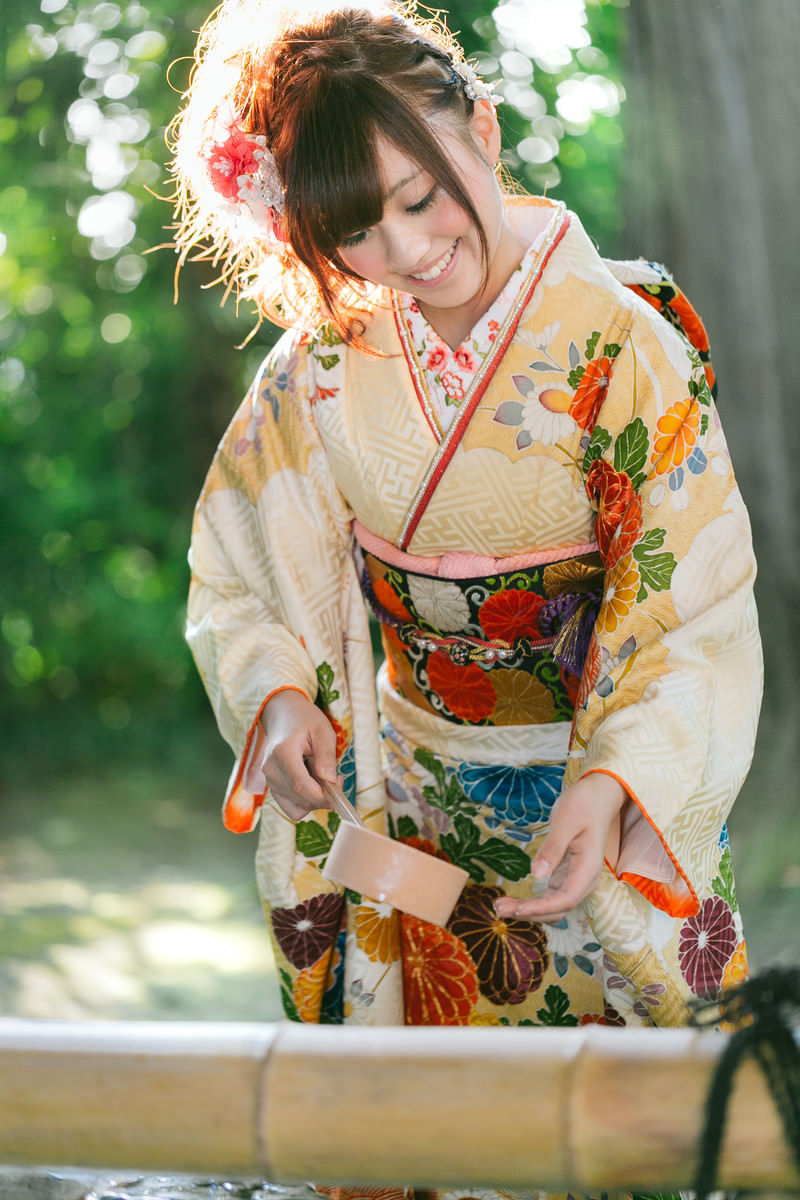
510,955
306,931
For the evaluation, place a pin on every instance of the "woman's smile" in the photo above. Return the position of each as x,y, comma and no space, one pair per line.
440,270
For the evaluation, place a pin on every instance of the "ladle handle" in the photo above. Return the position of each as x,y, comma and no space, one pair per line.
339,804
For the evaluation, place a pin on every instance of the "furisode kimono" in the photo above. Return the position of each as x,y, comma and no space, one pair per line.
560,563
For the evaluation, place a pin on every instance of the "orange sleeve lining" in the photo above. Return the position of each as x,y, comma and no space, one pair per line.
237,817
671,900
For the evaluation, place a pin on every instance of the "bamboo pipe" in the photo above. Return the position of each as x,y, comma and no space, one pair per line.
580,1109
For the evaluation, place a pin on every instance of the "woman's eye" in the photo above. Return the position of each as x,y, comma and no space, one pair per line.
424,203
354,239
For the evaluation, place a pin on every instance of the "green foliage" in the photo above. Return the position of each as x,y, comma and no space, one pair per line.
111,400
560,76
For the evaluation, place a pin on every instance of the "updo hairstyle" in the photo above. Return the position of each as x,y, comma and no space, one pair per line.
320,84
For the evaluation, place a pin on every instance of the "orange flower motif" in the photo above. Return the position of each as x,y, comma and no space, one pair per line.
622,588
591,392
511,614
426,846
676,434
467,691
388,599
453,385
591,671
612,492
377,936
693,327
441,984
309,987
342,737
736,970
627,533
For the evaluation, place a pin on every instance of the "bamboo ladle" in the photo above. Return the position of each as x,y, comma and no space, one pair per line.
389,871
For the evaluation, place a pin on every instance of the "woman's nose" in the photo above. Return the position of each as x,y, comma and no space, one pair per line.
406,249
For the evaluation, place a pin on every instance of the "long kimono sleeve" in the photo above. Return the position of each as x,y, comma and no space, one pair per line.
269,559
671,689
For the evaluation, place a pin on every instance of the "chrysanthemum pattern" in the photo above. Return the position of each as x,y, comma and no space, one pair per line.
510,955
707,943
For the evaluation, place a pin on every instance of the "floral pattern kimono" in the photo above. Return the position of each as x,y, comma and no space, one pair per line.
547,528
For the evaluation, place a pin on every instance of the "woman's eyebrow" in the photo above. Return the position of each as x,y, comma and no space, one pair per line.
399,186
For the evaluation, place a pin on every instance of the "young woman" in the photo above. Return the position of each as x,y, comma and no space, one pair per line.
508,448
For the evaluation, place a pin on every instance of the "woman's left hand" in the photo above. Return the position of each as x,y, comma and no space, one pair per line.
584,829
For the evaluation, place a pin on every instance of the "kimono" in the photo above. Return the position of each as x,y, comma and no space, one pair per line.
562,573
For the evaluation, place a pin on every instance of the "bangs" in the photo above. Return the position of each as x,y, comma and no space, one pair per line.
334,186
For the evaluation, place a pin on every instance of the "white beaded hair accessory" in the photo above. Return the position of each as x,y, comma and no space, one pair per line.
242,171
475,88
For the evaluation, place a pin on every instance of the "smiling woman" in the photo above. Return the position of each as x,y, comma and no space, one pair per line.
465,427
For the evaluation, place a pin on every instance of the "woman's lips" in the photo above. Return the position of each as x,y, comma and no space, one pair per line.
439,271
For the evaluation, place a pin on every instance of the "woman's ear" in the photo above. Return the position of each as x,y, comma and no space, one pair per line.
485,129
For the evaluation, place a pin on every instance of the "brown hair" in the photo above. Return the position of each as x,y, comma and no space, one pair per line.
321,85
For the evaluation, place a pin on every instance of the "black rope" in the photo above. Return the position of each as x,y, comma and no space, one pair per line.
763,1012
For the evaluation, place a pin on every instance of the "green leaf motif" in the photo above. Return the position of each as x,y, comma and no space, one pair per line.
556,1010
431,763
723,885
311,839
505,859
630,449
466,850
329,337
611,349
326,692
591,344
575,376
406,828
328,361
449,796
287,996
655,566
598,444
460,846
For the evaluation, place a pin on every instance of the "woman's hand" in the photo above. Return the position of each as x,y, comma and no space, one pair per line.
300,739
584,829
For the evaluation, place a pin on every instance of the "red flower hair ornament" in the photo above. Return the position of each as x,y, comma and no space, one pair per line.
243,173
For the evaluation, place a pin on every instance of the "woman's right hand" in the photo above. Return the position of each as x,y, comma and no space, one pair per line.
300,739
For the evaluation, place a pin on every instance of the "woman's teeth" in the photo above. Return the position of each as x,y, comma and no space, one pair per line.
437,268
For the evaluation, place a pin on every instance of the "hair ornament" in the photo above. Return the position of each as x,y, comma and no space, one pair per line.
242,171
475,88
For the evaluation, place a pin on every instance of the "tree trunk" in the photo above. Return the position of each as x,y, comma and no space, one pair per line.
713,180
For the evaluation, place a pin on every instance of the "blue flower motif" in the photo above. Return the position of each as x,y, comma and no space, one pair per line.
724,839
676,479
519,795
347,769
697,461
332,1012
270,398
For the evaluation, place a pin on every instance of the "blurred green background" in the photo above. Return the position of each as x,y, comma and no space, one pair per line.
670,130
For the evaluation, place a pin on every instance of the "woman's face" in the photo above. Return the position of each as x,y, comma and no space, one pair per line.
425,244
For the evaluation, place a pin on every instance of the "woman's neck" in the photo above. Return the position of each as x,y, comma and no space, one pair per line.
454,325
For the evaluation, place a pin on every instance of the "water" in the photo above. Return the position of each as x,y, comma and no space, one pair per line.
61,1184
